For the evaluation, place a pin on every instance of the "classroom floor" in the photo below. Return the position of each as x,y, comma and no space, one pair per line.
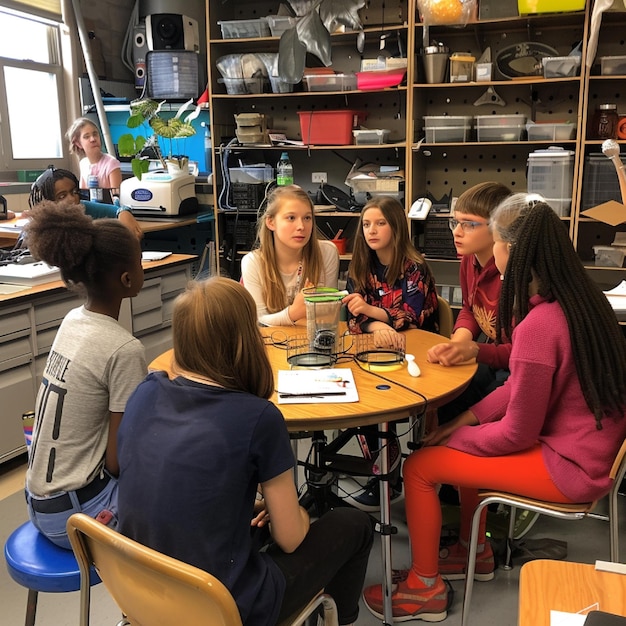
494,603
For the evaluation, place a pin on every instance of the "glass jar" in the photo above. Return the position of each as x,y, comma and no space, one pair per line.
604,122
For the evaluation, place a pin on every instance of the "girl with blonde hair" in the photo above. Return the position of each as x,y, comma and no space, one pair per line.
288,258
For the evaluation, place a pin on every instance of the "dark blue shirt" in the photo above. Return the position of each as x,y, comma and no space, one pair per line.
191,457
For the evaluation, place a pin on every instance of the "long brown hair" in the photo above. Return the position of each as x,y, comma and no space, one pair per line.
274,292
363,257
215,334
541,250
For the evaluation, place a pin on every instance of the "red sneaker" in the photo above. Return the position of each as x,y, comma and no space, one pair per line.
453,563
430,604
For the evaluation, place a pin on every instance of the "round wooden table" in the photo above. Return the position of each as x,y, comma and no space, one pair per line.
384,396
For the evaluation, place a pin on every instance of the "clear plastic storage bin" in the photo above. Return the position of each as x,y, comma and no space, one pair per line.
608,256
447,128
371,136
329,82
245,29
551,174
613,66
500,127
560,67
242,86
280,23
548,131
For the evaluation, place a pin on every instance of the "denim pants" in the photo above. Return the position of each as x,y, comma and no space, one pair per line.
333,556
52,525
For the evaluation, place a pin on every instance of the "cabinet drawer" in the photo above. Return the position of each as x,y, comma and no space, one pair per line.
146,320
55,310
44,339
156,343
15,352
174,283
14,323
148,298
17,395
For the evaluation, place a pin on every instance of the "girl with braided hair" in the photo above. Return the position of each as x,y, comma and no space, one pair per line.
93,366
551,432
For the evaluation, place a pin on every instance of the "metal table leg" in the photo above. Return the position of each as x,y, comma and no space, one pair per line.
386,529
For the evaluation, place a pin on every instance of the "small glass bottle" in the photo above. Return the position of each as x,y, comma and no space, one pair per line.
284,171
604,122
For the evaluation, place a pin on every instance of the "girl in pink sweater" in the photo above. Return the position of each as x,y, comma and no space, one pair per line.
551,432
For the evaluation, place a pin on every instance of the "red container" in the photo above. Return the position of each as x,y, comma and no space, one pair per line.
329,128
379,79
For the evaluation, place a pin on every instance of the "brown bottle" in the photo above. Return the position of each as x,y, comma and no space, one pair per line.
604,122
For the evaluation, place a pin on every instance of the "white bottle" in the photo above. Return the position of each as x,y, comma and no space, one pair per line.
95,193
284,171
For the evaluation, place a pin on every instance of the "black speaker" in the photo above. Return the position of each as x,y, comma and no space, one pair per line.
171,31
140,49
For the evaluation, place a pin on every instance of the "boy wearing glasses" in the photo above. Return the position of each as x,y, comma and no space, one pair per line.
474,332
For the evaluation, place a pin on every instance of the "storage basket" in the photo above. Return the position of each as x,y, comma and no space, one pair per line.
330,128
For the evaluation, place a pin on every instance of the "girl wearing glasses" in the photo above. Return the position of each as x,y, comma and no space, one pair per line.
551,432
475,328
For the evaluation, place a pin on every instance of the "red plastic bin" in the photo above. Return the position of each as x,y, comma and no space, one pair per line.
329,128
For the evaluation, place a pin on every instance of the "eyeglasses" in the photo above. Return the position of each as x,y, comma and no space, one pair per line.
466,226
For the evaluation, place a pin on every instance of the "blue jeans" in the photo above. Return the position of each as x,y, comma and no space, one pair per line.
333,556
102,506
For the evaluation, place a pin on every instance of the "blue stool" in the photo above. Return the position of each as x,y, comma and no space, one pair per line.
36,563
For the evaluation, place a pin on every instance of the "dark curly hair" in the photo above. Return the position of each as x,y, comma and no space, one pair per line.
86,251
541,249
43,188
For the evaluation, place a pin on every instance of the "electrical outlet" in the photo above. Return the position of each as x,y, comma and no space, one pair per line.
319,177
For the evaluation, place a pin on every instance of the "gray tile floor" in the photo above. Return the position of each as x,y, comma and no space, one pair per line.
494,603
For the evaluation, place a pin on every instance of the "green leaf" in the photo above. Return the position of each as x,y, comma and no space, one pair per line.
126,145
140,167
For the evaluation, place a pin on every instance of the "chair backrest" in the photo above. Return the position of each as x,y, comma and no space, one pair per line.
619,465
150,588
446,319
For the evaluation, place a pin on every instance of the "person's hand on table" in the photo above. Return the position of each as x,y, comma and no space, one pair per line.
453,352
388,338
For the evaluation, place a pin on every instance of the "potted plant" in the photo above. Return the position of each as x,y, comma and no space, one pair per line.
146,113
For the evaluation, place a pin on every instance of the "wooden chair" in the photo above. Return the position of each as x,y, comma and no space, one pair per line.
446,318
554,509
153,589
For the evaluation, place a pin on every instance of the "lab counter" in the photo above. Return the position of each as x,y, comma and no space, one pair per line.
29,320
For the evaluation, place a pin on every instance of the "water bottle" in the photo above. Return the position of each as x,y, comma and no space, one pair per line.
284,171
95,192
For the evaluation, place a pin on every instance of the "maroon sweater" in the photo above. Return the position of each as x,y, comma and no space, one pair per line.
480,287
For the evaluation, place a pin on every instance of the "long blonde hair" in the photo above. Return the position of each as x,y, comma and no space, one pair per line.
274,292
215,334
403,250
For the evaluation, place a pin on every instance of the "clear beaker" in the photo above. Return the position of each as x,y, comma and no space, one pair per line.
323,307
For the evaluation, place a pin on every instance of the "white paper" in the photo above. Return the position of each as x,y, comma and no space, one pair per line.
620,290
313,386
561,618
29,273
152,255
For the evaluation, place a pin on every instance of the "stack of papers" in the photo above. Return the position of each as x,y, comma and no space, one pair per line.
313,386
29,274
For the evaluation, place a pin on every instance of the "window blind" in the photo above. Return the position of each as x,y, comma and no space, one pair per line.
43,8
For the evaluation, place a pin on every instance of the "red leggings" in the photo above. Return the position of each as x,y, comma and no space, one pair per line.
523,473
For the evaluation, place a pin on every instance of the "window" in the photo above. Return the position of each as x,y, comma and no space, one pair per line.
31,76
